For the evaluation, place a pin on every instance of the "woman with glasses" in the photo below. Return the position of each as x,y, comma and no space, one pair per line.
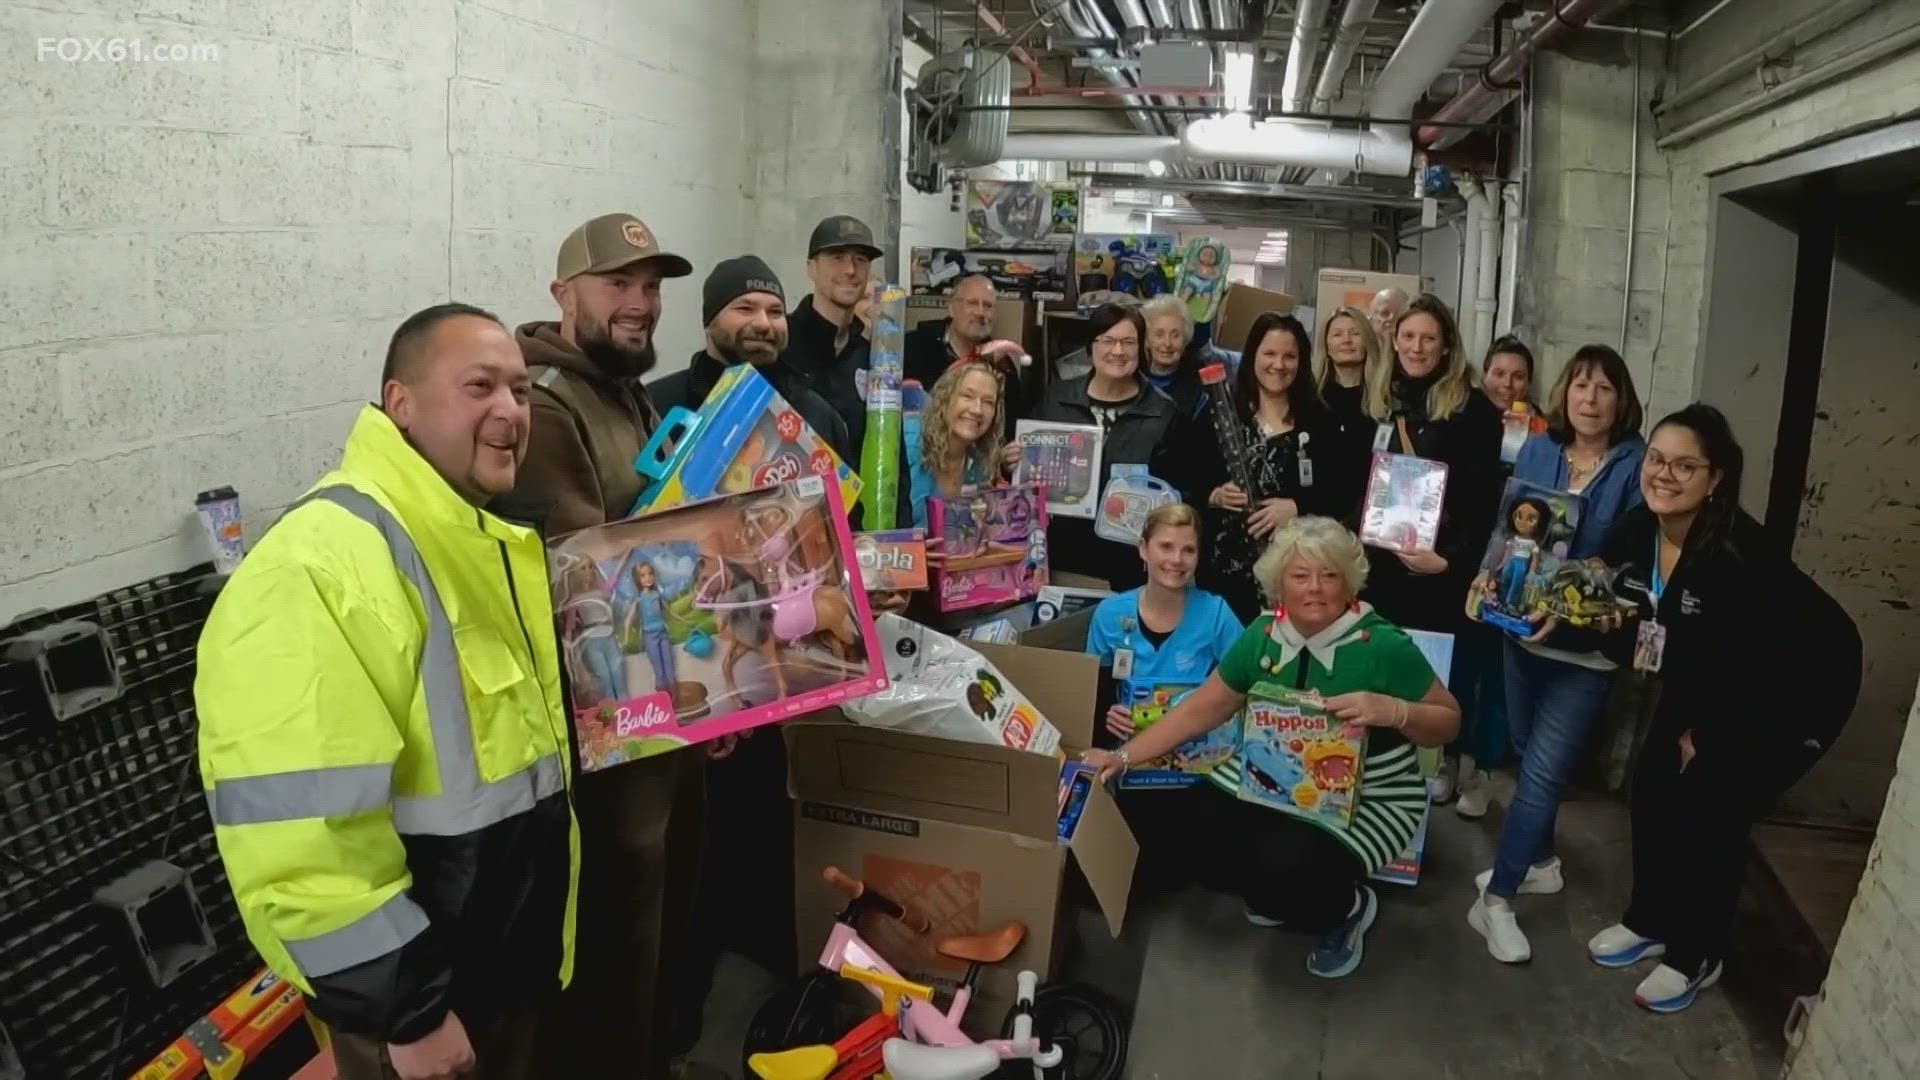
1134,420
1757,669
1557,680
1292,459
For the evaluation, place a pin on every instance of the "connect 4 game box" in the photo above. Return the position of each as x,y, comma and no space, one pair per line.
744,437
1064,457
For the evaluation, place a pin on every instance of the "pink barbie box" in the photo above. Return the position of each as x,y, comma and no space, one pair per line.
996,545
713,617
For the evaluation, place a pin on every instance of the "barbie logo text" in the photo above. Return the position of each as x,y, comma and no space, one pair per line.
654,712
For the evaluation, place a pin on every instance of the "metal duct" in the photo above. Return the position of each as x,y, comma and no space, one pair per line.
1499,81
1301,53
1082,26
1346,42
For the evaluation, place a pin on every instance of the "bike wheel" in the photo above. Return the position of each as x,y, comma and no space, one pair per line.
818,1007
1089,1026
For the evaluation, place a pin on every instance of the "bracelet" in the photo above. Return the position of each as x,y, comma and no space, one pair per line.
1126,759
1403,716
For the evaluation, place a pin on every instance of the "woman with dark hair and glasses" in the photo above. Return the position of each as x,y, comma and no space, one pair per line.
1555,682
1134,420
1292,460
1757,670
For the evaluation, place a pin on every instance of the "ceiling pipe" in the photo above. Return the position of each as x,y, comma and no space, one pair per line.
1436,34
1018,52
1301,53
1194,14
1499,81
1346,42
1079,23
1091,147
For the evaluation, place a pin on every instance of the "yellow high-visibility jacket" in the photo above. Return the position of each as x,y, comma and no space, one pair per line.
384,746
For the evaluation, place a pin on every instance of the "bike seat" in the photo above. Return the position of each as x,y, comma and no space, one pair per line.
800,1063
988,948
912,1061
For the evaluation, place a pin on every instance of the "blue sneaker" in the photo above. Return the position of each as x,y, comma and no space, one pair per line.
1618,947
1669,991
1341,948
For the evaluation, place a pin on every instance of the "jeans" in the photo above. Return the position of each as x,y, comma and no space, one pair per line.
602,654
660,655
1551,706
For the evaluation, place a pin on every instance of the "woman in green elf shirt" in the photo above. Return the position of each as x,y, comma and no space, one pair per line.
1295,872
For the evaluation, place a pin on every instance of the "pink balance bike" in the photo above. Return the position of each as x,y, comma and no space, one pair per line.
813,1028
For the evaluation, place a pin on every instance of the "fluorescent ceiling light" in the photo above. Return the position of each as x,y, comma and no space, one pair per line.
1157,167
1237,78
1281,236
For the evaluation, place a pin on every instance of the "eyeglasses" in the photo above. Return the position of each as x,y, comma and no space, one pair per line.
1681,469
1116,344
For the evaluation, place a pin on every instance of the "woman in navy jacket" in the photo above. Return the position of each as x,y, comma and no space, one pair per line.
1557,682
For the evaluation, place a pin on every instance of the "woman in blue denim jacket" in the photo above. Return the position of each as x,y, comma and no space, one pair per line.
1557,681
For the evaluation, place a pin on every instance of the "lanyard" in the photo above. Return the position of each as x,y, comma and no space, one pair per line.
1656,582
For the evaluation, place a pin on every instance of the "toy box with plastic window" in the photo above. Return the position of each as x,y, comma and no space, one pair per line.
688,624
967,834
995,541
744,436
1187,763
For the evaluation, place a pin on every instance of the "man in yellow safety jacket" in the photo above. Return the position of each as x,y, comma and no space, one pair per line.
382,734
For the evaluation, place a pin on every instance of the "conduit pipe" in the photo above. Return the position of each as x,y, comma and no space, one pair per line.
1469,256
1499,80
1307,17
1509,258
1486,296
1346,42
1090,147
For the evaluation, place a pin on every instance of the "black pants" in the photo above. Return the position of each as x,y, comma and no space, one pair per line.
1284,868
1690,843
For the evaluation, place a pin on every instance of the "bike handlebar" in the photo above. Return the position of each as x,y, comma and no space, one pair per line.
858,892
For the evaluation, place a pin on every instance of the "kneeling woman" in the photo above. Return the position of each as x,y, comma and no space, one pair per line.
1167,634
1295,873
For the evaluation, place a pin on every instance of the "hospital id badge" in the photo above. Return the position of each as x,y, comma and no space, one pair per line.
1650,646
1383,437
1123,663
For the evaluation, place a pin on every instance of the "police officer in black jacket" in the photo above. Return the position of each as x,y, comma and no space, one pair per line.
826,343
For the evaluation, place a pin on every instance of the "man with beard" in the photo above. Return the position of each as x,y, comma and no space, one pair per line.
640,824
826,341
746,317
965,333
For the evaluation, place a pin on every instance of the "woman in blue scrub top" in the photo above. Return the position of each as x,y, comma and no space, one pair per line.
1165,632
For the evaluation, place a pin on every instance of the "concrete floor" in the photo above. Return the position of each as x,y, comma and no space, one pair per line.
1215,997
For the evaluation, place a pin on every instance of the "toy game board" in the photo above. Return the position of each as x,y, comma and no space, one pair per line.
1064,457
1297,758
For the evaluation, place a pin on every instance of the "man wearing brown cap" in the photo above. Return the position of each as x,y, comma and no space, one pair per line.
640,823
827,344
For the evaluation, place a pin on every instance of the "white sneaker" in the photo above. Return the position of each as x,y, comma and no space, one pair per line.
1540,880
1668,991
1496,923
1476,793
1618,947
1440,788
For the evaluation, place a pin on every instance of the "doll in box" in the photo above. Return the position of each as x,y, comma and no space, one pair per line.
1526,522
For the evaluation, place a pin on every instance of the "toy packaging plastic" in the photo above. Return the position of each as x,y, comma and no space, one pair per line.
1016,275
1108,266
1065,458
1131,495
880,445
1297,757
1076,783
1402,508
996,545
1021,213
1059,601
1189,761
940,687
1529,543
685,625
745,436
894,560
1516,424
1202,280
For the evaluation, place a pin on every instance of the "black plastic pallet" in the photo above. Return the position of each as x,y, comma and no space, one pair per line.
79,806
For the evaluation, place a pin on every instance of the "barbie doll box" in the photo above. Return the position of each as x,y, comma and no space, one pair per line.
681,626
744,436
996,545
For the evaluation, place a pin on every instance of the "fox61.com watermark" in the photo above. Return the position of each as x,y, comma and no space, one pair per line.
102,50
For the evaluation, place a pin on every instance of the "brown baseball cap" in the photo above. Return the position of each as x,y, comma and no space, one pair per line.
842,231
610,242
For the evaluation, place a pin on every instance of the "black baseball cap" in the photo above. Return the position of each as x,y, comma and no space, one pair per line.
843,231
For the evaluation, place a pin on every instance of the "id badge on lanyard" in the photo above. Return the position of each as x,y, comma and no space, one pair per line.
1123,656
1649,649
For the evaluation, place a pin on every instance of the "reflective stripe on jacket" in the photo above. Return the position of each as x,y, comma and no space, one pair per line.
383,741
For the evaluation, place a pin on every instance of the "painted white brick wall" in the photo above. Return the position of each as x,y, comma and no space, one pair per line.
200,263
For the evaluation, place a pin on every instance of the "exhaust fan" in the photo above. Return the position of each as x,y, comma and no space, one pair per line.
950,129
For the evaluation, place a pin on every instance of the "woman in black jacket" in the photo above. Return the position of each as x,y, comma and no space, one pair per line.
1425,405
1134,419
1292,460
1757,668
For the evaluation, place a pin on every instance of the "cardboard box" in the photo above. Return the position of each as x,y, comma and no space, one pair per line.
1238,309
1019,215
1355,288
965,834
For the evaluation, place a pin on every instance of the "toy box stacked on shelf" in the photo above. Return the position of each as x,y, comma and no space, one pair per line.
1021,214
1298,758
1016,275
1189,761
1066,459
1108,266
996,545
745,436
692,623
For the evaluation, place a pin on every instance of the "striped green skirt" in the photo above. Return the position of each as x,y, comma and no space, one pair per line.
1393,796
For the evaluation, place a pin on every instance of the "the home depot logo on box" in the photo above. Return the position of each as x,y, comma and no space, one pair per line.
947,898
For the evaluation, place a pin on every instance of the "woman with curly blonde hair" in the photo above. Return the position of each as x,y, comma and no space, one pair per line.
958,444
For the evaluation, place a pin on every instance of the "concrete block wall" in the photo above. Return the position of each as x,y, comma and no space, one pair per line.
200,262
1868,1024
